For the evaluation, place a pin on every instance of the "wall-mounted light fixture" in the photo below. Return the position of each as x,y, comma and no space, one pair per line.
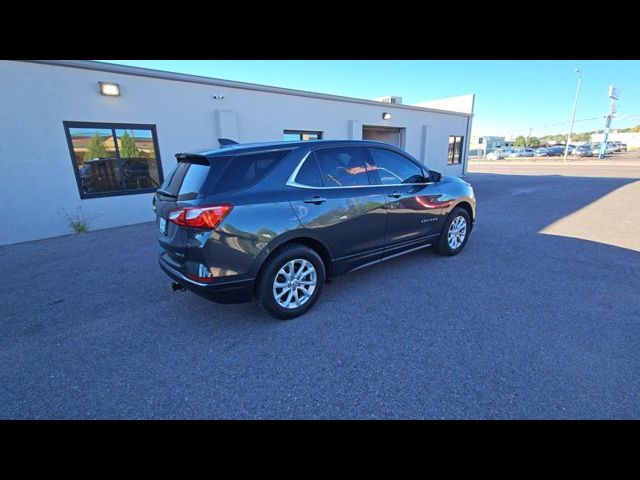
386,116
109,89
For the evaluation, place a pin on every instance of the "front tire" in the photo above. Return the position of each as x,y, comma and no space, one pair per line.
455,233
291,282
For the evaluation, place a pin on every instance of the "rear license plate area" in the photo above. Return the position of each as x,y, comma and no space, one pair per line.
162,224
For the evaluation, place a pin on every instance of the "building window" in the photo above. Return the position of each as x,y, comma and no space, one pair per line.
114,158
294,135
455,150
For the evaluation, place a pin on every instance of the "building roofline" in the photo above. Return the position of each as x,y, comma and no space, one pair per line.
182,77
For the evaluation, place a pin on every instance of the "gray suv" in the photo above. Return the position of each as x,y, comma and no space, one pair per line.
273,221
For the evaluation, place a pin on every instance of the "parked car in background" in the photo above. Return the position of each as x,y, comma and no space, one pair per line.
542,152
572,151
583,151
560,149
556,151
623,147
522,152
495,155
272,220
504,151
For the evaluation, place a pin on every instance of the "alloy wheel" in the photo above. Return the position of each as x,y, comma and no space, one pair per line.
294,284
457,232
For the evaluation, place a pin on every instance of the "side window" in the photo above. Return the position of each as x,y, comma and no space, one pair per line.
343,166
244,170
309,174
392,168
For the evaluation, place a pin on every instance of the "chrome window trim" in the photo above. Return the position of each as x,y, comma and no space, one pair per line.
292,183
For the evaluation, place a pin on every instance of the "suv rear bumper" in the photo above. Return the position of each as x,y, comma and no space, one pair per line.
238,291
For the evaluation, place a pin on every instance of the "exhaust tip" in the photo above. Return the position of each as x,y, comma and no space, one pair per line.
177,287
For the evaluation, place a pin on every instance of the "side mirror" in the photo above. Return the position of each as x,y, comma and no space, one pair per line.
434,176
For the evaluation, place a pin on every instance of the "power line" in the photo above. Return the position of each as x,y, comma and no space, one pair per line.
620,117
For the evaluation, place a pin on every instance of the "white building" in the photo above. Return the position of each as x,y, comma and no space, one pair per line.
69,149
480,146
631,139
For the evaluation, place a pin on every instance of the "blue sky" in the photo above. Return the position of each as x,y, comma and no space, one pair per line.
511,96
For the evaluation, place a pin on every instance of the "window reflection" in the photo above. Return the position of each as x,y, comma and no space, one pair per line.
110,159
137,153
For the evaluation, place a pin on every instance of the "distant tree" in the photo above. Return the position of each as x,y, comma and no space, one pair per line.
128,147
533,142
95,148
520,141
581,137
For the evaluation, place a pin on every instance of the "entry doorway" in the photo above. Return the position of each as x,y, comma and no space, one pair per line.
392,135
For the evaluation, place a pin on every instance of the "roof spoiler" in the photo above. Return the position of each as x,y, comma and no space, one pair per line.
225,142
192,158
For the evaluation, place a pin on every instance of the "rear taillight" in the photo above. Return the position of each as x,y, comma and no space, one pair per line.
206,217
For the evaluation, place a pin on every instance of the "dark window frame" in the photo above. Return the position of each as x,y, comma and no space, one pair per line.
320,134
68,125
451,159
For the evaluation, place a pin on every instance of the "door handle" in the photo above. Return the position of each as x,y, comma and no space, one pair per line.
316,199
394,195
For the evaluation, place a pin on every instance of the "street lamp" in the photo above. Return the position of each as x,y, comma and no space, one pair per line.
573,116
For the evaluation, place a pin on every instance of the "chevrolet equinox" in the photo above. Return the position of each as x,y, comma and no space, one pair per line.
272,221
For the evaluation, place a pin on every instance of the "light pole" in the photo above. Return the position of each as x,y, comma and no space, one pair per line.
573,115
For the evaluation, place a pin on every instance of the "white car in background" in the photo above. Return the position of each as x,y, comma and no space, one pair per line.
495,155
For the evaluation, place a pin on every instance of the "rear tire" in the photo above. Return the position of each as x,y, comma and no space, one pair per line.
455,233
291,282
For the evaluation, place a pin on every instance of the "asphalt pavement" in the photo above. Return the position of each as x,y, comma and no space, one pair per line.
539,317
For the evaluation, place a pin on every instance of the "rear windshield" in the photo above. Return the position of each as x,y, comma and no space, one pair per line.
186,180
189,180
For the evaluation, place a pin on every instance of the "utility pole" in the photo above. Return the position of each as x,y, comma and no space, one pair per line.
613,96
573,115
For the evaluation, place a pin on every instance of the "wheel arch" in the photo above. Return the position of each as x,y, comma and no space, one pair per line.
466,204
307,239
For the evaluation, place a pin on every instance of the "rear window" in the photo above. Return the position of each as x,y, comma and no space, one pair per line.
186,180
197,177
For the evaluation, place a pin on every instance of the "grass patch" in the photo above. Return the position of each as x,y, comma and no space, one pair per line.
78,223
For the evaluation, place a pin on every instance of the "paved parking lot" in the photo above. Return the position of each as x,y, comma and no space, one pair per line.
538,318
